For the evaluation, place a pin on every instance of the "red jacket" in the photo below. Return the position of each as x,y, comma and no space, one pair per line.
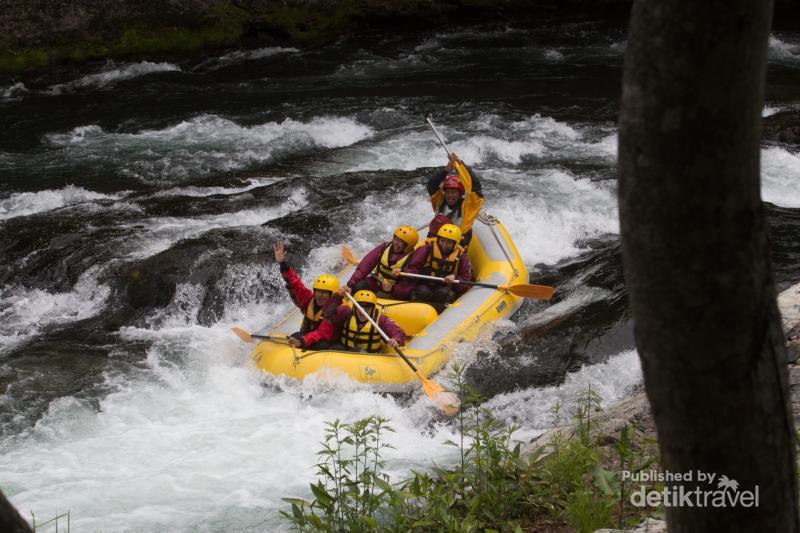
302,295
330,329
401,290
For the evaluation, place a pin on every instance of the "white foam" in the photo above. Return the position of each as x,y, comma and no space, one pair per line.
780,177
259,53
203,192
111,75
13,91
29,203
489,140
189,440
551,54
24,312
770,110
548,212
160,233
784,52
204,144
533,408
576,299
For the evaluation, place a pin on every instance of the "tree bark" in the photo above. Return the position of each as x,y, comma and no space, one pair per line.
696,255
10,519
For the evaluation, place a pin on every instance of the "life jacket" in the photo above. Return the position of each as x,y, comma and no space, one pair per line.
438,265
312,318
384,270
468,208
366,338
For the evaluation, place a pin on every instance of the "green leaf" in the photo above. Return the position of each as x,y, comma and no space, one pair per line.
383,485
370,521
300,502
605,481
323,498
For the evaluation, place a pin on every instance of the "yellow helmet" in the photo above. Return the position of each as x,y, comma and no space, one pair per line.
326,282
408,235
365,297
450,231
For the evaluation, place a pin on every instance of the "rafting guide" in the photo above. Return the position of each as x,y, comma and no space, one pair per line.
693,488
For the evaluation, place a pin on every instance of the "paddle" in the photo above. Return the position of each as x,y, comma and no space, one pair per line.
348,255
460,168
251,339
446,401
525,290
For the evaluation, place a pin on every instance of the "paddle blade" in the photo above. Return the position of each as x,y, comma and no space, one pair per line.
537,292
447,402
242,334
348,255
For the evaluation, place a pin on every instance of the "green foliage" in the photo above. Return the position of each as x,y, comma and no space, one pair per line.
586,511
136,41
494,486
17,60
351,485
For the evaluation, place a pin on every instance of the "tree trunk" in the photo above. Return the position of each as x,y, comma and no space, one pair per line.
696,256
10,520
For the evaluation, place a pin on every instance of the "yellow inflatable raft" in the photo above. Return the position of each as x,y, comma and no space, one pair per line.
495,260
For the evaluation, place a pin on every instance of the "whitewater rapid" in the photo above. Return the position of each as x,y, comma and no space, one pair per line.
190,436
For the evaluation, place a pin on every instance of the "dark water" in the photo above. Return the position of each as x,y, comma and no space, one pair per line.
139,202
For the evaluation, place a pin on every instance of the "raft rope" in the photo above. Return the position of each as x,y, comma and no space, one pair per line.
491,221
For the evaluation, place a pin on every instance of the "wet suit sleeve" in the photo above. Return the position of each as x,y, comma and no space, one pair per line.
325,332
464,274
392,329
328,330
436,180
367,265
403,288
300,293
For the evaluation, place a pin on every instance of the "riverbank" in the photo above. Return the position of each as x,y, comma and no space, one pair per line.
634,411
37,34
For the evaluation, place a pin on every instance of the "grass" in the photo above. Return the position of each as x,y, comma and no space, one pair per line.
493,486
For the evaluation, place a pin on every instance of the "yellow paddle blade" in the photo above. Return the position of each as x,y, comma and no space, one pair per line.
447,402
242,334
538,292
348,255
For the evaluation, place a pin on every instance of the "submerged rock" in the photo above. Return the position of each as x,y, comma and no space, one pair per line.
783,127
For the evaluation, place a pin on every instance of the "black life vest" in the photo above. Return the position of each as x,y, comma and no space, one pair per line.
384,270
454,213
439,266
367,338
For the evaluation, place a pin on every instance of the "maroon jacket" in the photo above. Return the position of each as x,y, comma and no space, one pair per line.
401,290
463,273
302,295
330,329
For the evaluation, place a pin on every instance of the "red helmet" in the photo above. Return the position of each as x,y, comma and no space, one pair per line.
453,182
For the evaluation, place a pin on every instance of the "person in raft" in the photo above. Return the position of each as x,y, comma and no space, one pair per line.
379,269
443,257
456,195
353,332
315,304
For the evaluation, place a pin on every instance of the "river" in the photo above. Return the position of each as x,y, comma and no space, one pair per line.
139,203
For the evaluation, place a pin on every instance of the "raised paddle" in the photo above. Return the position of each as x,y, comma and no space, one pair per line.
525,290
460,168
446,401
251,339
